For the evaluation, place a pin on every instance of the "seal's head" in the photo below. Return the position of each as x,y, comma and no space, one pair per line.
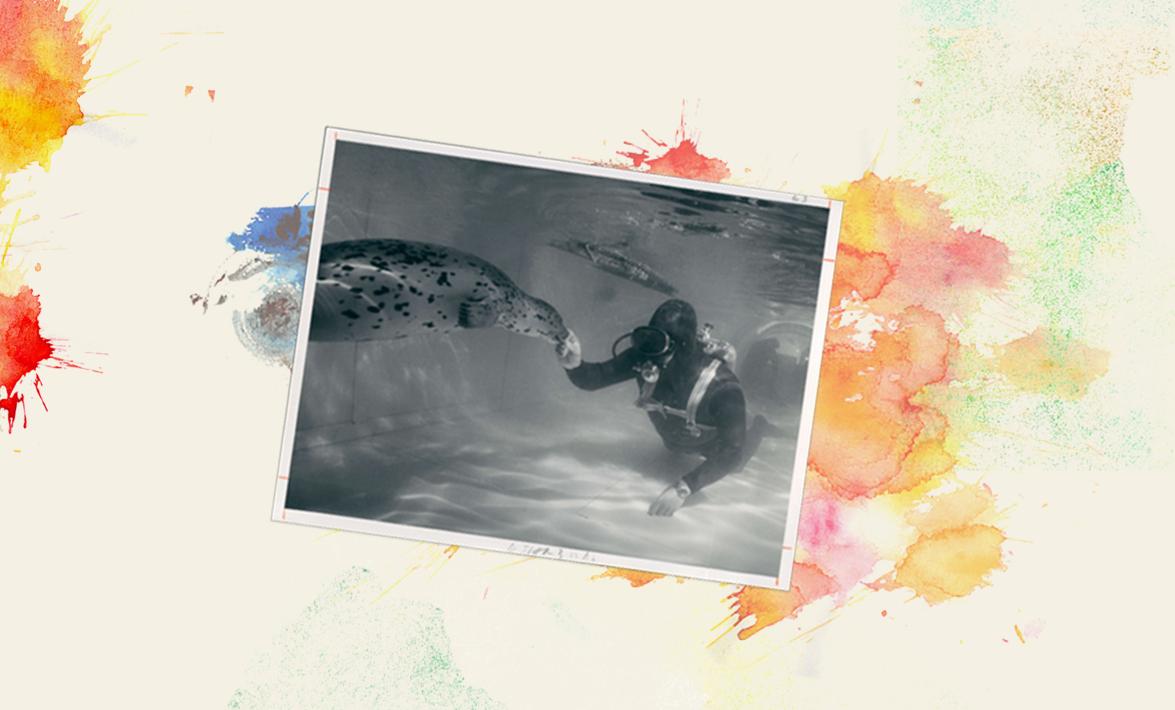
537,319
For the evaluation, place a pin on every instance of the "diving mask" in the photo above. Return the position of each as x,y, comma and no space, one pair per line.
654,348
651,344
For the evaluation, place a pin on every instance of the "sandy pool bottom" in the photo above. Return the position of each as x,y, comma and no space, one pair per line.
569,474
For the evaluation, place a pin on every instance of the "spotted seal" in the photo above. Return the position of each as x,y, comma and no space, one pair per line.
385,289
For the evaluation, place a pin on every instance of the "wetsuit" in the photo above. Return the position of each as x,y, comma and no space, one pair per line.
721,415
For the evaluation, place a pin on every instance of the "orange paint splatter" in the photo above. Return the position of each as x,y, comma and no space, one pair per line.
1051,365
43,69
37,266
949,563
188,90
770,606
633,577
212,94
867,424
859,274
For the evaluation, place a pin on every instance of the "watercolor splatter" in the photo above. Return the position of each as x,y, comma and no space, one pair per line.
262,281
764,607
1046,363
22,349
44,59
949,563
885,445
677,159
44,62
635,578
348,650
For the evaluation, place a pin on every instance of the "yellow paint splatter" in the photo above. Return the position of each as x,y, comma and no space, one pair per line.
952,510
1047,364
949,563
8,239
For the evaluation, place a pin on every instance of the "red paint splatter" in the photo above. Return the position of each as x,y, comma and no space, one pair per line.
884,612
22,348
681,159
212,94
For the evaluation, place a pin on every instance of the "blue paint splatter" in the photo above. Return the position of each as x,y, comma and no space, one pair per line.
269,330
281,231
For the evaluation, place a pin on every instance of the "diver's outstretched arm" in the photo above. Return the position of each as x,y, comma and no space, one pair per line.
597,375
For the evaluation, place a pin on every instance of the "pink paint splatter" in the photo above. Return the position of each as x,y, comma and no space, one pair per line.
828,543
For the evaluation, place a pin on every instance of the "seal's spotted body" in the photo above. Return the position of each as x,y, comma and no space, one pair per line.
384,289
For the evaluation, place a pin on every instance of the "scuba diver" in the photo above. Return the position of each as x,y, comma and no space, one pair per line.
686,382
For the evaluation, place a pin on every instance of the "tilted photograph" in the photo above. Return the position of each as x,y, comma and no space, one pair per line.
558,359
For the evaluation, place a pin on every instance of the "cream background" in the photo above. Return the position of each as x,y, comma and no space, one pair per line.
140,568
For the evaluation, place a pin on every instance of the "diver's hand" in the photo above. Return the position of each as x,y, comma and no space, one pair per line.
569,353
670,500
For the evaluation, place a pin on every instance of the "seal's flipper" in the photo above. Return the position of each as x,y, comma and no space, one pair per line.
480,313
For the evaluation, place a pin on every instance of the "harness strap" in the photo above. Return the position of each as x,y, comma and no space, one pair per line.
690,413
695,397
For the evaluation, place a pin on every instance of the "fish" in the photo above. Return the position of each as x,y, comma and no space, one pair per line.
613,260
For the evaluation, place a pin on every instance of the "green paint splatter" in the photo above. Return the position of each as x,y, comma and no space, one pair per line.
1092,219
1018,118
348,652
958,13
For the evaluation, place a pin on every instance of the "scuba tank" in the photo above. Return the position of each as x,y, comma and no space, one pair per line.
714,347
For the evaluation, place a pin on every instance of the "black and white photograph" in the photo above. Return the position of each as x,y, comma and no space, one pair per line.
558,359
